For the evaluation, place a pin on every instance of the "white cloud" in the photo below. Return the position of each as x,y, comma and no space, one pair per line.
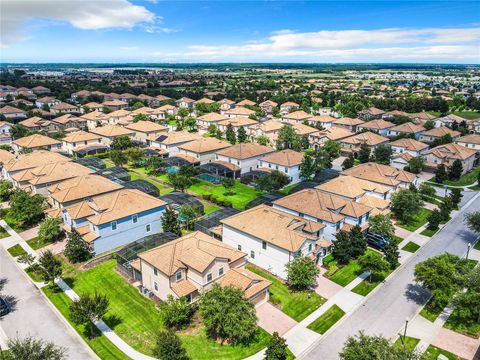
128,48
82,14
435,44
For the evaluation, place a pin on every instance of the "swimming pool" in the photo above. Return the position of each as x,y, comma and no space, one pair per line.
209,177
171,170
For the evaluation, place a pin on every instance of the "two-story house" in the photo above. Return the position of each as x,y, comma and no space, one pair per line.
285,161
352,144
296,117
406,129
143,130
244,156
82,141
36,142
430,136
379,126
169,142
348,123
448,153
204,121
110,132
319,138
203,149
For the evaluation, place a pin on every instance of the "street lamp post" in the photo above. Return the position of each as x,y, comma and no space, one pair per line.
468,250
405,331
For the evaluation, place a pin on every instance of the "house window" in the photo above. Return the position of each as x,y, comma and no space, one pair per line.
239,247
309,247
189,298
148,228
114,225
155,285
155,271
220,271
209,277
134,219
178,275
252,254
264,245
286,170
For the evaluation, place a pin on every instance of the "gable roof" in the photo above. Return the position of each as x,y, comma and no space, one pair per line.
34,159
286,157
382,174
367,137
245,151
441,131
377,125
351,187
204,145
408,127
111,131
451,151
409,144
35,140
146,126
80,135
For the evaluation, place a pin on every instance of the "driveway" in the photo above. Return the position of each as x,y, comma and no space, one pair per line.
272,319
32,314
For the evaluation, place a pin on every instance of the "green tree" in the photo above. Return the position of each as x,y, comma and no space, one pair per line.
176,313
168,346
473,221
441,174
118,157
137,105
456,197
381,225
373,263
455,171
170,222
134,155
26,209
392,254
6,189
230,134
277,348
348,162
302,272
50,229
416,164
434,219
341,247
332,148
140,117
18,131
188,213
288,139
121,143
180,182
76,249
241,134
228,184
383,154
358,243
445,139
212,130
191,123
406,203
427,190
364,153
429,125
89,309
227,314
155,164
33,349
446,207
273,181
307,167
50,267
263,140
467,303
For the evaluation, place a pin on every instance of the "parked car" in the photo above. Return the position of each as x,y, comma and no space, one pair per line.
377,241
4,306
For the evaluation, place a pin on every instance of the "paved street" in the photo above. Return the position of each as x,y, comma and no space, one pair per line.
385,311
32,314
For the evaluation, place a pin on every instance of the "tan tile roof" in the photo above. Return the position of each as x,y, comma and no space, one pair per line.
348,121
204,101
274,226
290,103
212,117
183,287
327,207
82,187
34,159
111,131
322,119
81,135
302,129
409,128
63,106
246,102
422,116
247,281
333,133
35,140
11,110
35,121
269,103
245,151
367,137
409,144
375,111
146,126
238,121
145,110
57,171
114,103
185,99
451,151
239,110
377,125
286,157
94,115
6,156
267,126
382,174
118,113
351,187
441,131
195,250
469,139
177,137
299,115
374,202
204,145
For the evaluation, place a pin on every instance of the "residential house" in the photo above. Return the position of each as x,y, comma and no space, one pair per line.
285,161
268,106
115,104
36,123
272,238
447,154
244,156
408,145
5,158
36,142
93,106
296,117
326,121
190,265
348,123
471,141
236,122
64,108
185,102
117,218
352,144
69,122
287,107
5,138
226,104
379,126
204,121
146,129
13,113
169,142
94,119
40,90
110,132
46,101
371,114
202,149
269,129
246,102
318,138
430,136
82,141
383,175
406,129
238,111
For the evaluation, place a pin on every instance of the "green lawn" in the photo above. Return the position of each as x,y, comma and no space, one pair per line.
455,323
467,179
433,352
99,344
365,287
16,250
428,232
477,246
397,239
411,247
410,342
242,194
208,207
417,220
3,233
164,189
136,319
34,275
431,313
327,320
297,305
468,114
38,243
346,274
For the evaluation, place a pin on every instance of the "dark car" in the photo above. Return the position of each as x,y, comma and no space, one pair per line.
377,241
4,307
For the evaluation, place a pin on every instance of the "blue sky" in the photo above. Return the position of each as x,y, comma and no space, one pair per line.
239,31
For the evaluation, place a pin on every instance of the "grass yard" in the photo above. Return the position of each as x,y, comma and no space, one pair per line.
327,320
430,312
468,114
428,232
417,220
410,342
99,344
242,194
365,287
34,275
164,189
397,239
433,352
477,246
411,247
16,250
136,319
467,179
346,274
38,243
297,305
208,207
3,233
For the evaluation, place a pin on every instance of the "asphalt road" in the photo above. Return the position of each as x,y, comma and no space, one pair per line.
385,311
33,316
